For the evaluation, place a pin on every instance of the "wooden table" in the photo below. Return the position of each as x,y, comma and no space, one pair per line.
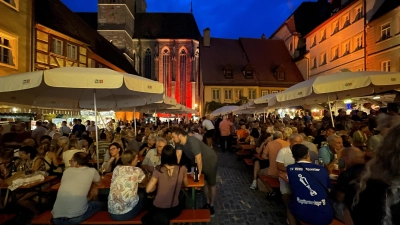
248,147
194,185
91,162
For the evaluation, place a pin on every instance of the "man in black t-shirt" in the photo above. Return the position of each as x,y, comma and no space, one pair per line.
323,138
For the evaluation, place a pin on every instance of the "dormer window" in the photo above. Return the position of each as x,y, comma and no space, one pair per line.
279,73
248,71
228,72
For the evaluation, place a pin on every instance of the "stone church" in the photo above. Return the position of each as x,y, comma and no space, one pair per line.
161,46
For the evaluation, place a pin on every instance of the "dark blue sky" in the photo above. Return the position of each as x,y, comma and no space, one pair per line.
225,18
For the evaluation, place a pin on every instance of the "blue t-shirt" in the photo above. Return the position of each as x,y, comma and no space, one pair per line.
310,202
326,154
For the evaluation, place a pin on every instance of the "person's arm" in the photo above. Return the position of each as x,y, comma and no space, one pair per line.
199,162
108,164
185,179
151,186
280,159
179,155
146,163
265,152
53,158
96,177
37,164
281,167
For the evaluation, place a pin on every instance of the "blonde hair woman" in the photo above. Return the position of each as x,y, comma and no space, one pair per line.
63,145
377,200
72,149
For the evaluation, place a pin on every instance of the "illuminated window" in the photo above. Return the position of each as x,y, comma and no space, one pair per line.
314,41
335,53
8,49
346,48
323,58
323,35
358,12
252,94
264,92
385,66
228,94
385,31
274,92
182,72
147,64
12,3
166,62
358,42
335,27
215,94
346,20
314,63
72,51
57,46
238,94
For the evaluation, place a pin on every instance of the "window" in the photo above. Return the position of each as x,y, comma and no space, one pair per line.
346,48
358,13
72,51
335,53
182,61
335,27
346,20
280,75
314,63
252,94
57,46
274,92
215,94
264,92
323,35
11,3
165,62
147,64
7,48
228,74
323,58
228,94
248,74
238,94
358,42
290,47
385,66
314,41
385,31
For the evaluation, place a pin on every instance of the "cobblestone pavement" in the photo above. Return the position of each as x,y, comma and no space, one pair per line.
236,203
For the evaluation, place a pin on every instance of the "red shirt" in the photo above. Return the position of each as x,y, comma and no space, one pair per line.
225,126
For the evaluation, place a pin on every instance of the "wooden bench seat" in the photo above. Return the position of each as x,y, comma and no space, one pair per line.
103,217
272,182
243,153
249,162
6,217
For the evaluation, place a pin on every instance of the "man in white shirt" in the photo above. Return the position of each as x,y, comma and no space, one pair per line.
91,127
72,206
210,130
38,132
284,159
153,157
64,129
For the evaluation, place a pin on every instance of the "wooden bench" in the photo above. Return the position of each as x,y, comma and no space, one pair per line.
103,217
6,217
249,162
334,222
272,182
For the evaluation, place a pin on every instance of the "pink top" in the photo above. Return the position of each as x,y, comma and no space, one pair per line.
166,184
225,126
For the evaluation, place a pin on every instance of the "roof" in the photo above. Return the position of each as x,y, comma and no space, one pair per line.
386,7
166,25
89,17
263,55
306,17
55,15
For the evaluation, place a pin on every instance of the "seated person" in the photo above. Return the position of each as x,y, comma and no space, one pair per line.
327,153
71,205
323,138
310,185
360,137
124,203
153,157
114,152
72,149
242,133
150,144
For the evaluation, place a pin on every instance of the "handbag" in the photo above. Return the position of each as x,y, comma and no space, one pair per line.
176,184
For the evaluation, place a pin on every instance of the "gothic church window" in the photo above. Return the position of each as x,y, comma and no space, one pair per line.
182,72
166,63
147,64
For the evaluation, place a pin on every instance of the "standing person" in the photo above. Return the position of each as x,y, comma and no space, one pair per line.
210,130
64,129
91,127
310,186
171,177
71,205
225,127
38,132
206,160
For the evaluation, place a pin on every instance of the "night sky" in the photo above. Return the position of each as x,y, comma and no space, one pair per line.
225,18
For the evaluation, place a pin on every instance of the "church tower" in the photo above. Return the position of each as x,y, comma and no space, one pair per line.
116,22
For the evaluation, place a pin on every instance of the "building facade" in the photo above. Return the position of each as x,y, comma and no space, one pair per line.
161,46
232,69
383,38
16,29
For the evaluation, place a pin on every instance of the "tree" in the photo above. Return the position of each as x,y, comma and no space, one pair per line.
209,107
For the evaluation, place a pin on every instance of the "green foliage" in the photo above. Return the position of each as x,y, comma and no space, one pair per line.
213,105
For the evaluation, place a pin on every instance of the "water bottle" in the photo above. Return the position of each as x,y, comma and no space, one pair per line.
196,173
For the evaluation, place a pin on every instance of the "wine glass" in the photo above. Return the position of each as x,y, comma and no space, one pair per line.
102,170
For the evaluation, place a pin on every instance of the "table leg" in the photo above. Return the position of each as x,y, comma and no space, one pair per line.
194,197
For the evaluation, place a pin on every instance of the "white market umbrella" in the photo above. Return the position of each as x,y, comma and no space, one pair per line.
79,88
224,110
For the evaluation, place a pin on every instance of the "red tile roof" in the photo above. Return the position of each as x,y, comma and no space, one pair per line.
264,55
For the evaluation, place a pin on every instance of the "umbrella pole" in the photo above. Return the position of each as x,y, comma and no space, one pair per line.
134,120
155,118
96,130
330,111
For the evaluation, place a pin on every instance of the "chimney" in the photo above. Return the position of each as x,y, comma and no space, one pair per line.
263,36
206,37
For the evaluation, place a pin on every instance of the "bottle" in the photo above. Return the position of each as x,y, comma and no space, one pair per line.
196,173
14,168
336,163
320,162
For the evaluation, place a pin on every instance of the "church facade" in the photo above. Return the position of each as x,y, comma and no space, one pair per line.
161,46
